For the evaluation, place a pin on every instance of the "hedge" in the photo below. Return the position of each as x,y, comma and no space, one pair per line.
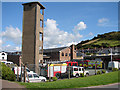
7,73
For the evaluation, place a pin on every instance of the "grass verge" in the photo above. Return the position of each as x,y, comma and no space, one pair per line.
102,79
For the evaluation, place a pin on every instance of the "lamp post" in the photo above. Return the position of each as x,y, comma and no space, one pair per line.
111,58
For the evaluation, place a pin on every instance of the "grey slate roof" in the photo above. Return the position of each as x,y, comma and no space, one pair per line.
53,49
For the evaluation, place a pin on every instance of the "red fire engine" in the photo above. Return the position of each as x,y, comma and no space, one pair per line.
71,63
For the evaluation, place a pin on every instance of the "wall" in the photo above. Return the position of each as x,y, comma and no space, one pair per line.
66,50
14,58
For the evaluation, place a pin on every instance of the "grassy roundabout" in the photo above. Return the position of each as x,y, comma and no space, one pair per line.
95,80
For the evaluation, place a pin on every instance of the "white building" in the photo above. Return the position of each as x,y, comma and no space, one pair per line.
3,56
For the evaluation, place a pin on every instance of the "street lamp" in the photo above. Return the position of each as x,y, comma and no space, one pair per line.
111,57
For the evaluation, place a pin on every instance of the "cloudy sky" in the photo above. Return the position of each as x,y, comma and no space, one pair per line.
65,23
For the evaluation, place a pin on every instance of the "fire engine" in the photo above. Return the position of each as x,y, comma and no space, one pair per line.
71,63
52,70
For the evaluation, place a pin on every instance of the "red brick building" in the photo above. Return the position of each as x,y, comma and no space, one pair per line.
59,54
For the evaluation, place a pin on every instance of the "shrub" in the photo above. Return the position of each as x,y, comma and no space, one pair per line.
98,72
54,78
81,74
7,73
114,69
103,71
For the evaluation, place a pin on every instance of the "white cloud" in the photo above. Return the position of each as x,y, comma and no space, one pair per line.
1,44
54,37
10,48
80,26
12,35
103,20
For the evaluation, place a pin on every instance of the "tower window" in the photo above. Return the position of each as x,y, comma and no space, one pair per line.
41,11
41,23
40,49
40,36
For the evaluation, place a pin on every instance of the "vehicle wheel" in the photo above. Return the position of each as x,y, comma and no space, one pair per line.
43,80
57,75
87,74
77,75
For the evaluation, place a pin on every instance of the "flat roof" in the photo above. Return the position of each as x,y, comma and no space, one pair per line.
35,3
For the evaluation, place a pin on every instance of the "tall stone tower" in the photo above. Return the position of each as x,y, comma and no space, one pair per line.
32,39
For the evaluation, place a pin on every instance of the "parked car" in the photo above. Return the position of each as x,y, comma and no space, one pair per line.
7,62
76,71
34,77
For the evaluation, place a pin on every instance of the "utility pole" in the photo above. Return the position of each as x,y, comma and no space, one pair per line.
25,73
95,67
21,71
83,62
17,74
69,72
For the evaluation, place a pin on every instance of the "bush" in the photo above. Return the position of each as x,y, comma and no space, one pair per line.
103,71
7,73
114,69
98,72
54,78
81,74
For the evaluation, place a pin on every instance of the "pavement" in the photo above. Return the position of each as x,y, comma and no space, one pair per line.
114,86
5,85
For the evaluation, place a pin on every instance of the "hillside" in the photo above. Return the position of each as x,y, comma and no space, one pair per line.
110,39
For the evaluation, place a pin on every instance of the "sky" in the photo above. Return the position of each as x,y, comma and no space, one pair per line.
65,23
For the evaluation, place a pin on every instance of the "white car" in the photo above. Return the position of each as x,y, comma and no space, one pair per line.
76,70
34,77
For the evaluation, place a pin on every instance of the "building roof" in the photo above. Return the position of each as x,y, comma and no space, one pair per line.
53,49
42,7
108,50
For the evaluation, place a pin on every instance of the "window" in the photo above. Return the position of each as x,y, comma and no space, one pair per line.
62,54
69,54
30,75
2,57
40,49
75,64
75,69
69,64
41,23
3,53
40,36
82,69
66,54
35,76
41,11
27,70
79,69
